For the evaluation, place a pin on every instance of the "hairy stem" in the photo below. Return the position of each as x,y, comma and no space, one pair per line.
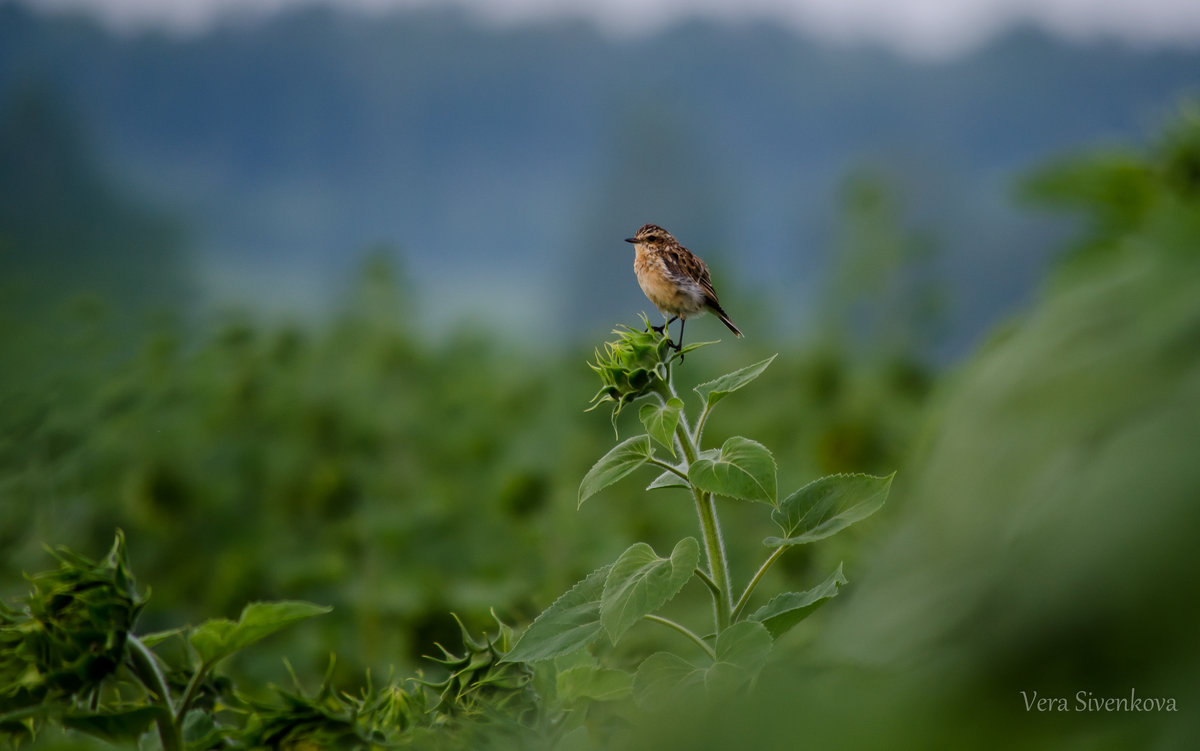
703,576
710,527
758,575
685,631
669,467
146,669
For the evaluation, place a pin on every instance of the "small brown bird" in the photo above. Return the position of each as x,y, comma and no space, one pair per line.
674,279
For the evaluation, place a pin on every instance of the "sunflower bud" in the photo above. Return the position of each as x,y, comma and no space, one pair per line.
631,367
71,633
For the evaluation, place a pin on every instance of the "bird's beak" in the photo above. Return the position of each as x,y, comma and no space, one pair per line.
631,239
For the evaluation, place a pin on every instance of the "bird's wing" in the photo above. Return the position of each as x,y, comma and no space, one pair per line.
689,266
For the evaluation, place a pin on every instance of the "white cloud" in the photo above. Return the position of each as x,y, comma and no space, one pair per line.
921,27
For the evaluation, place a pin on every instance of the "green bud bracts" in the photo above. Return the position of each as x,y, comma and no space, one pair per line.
631,367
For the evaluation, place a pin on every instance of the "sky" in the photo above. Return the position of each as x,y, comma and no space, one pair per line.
921,28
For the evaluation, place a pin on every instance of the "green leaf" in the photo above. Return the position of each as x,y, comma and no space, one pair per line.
570,624
827,506
742,650
716,390
667,479
154,639
640,582
121,728
624,458
743,469
218,638
786,610
660,421
592,682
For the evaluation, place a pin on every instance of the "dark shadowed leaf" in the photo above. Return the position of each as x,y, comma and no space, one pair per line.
121,728
664,678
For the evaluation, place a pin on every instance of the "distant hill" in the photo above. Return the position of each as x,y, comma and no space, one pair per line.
506,165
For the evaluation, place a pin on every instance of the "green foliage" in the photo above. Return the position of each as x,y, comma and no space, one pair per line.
1048,520
72,660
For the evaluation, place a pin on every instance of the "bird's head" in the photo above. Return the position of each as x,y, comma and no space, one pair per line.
652,235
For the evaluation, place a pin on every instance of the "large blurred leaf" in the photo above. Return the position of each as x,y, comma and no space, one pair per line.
664,678
743,469
624,458
640,582
571,623
826,506
218,638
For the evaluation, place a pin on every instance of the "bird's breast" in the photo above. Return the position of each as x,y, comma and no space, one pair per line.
669,295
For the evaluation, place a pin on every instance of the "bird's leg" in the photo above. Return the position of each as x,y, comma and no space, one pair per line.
679,346
660,329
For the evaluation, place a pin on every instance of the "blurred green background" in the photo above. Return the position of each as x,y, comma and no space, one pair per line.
304,305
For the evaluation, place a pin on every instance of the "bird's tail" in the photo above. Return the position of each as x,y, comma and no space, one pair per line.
720,313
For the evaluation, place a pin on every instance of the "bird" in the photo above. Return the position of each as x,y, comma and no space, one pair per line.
674,279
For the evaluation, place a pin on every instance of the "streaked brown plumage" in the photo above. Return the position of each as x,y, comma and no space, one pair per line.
674,278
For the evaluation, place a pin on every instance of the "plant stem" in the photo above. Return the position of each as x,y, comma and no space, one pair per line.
708,582
685,631
189,695
745,598
669,467
146,669
701,422
710,527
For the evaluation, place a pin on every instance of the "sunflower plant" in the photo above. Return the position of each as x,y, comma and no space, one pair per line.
730,650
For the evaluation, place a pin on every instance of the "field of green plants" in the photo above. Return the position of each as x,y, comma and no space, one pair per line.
243,535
